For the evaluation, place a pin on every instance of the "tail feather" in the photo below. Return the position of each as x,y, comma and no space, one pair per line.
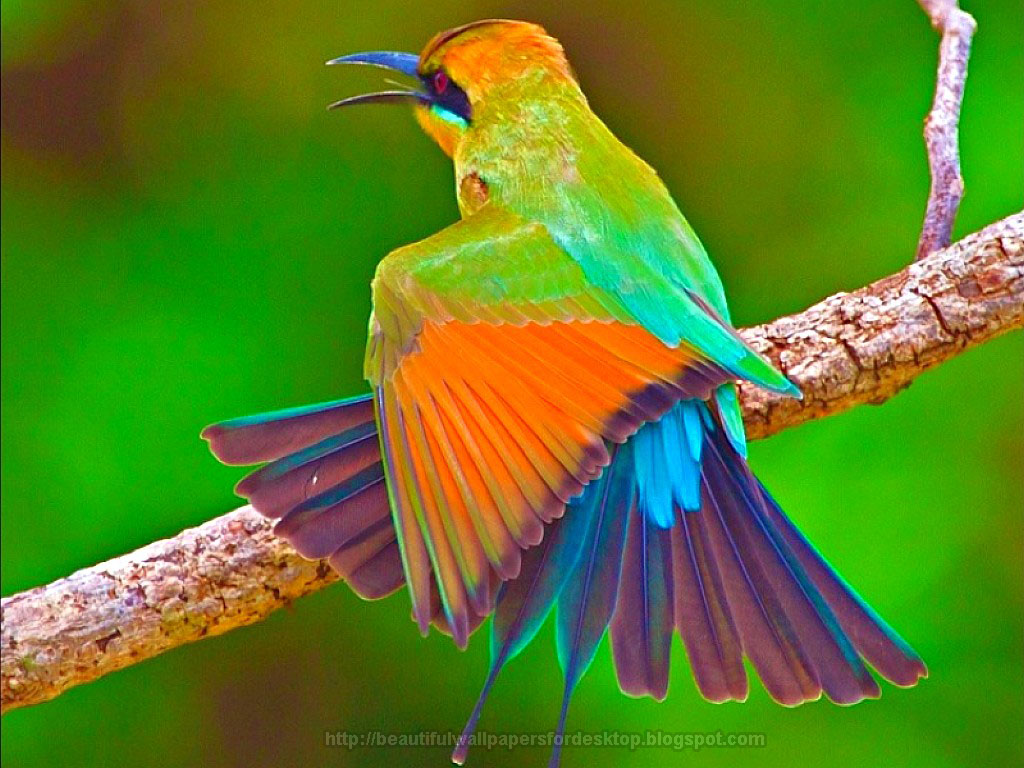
641,628
767,637
805,626
274,488
525,602
587,600
702,615
879,644
360,549
320,525
378,576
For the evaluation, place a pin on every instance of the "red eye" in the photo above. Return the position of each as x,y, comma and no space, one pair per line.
440,81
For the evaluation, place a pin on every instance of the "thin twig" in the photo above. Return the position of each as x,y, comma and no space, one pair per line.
861,347
942,125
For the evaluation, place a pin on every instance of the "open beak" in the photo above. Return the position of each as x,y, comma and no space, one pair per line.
405,63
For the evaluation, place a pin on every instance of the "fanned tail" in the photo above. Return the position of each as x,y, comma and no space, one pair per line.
742,580
678,533
785,628
675,533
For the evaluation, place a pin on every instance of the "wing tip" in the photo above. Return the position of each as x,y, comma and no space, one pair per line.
779,383
217,437
792,390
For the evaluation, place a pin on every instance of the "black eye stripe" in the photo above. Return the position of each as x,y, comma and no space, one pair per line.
445,93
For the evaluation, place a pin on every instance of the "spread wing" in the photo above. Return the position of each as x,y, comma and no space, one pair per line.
500,372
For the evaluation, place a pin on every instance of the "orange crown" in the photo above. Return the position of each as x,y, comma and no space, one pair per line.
482,53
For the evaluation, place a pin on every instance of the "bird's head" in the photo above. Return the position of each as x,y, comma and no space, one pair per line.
464,72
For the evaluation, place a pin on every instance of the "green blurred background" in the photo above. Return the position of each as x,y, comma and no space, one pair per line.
187,235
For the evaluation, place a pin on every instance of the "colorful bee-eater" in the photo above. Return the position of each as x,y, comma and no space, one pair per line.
553,418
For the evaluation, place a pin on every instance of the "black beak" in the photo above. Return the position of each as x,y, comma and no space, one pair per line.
406,63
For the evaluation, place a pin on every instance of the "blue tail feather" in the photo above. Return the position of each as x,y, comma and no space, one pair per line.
587,600
524,603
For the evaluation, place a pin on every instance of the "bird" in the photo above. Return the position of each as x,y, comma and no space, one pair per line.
553,423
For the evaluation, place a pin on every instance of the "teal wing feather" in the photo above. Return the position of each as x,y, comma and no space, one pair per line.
615,217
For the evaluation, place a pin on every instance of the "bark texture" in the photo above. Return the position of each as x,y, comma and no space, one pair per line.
226,573
852,348
865,346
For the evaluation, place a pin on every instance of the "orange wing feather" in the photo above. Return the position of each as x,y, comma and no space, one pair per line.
488,436
501,375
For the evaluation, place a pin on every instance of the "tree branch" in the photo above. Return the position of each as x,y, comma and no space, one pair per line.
227,573
861,347
865,346
941,126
